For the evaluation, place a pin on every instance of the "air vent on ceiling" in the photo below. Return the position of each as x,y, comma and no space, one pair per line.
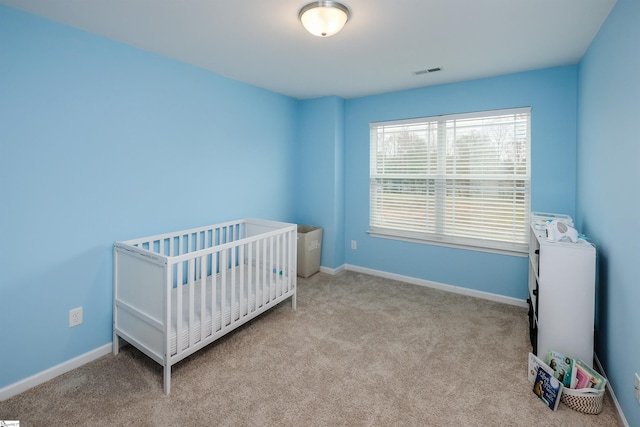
427,70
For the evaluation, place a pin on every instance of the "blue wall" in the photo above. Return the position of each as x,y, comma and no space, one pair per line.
103,142
609,192
320,173
550,93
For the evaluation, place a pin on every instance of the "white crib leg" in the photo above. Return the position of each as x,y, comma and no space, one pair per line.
167,379
115,344
294,303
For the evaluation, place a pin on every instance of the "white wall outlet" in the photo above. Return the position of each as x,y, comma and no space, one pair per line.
354,244
75,317
637,387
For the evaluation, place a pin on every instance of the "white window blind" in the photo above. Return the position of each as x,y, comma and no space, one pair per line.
459,179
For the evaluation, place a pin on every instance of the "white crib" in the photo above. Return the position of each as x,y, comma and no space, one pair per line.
176,293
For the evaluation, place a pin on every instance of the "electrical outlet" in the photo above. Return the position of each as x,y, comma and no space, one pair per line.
354,245
75,317
638,388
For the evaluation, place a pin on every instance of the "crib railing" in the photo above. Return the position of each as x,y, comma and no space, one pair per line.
252,272
193,240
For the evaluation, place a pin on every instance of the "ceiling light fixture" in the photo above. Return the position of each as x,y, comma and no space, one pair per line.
324,18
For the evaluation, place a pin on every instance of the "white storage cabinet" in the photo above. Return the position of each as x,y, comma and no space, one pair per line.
561,296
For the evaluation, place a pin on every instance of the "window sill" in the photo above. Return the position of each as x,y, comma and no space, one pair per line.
516,252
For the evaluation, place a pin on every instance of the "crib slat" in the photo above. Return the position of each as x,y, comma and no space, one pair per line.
233,285
243,301
260,271
291,259
178,267
249,276
191,285
223,288
288,270
258,284
264,273
203,296
285,263
270,268
196,247
214,291
278,266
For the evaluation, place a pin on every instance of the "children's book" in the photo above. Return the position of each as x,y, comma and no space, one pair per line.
562,366
593,378
547,388
534,363
582,378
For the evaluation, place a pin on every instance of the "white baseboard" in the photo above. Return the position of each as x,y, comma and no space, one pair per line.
332,271
436,285
44,376
623,420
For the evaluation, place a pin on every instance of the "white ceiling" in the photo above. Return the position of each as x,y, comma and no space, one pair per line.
262,42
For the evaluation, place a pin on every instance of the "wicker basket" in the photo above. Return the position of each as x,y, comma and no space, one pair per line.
586,400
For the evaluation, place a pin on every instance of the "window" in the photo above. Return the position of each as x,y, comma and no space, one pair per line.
458,180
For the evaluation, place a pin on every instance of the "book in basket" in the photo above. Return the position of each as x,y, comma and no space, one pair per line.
562,366
534,363
547,388
587,377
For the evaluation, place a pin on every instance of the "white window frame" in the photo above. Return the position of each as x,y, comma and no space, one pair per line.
416,167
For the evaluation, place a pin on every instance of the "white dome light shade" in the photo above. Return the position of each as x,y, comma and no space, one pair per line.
324,18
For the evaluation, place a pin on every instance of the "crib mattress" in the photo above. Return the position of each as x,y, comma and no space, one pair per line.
233,308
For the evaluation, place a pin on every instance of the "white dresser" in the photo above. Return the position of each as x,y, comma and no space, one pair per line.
561,295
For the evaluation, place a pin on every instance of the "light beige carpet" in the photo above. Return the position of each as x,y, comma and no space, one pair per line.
360,350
